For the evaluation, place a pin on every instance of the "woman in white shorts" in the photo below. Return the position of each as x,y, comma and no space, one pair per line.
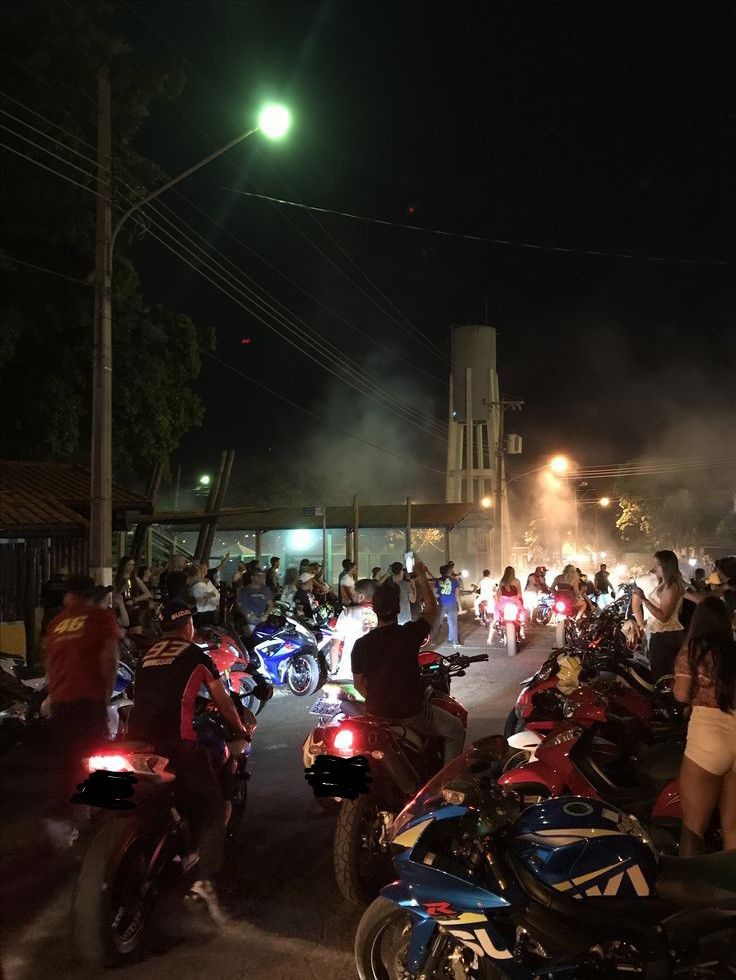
705,677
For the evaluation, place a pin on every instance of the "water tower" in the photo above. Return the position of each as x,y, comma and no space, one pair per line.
474,415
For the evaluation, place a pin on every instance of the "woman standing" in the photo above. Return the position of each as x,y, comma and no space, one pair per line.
705,677
666,634
205,594
130,595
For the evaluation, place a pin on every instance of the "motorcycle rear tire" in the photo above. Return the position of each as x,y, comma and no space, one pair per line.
354,818
379,918
118,839
542,616
311,668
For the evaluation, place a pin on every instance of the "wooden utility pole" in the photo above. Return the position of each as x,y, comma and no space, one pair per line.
100,525
502,406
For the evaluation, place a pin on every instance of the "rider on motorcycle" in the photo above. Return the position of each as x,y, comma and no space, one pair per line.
385,666
168,681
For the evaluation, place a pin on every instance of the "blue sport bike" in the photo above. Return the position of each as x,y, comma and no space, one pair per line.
568,888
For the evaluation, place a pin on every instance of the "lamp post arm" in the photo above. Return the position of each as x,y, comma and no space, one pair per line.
175,180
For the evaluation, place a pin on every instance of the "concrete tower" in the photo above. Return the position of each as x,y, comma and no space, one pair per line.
474,416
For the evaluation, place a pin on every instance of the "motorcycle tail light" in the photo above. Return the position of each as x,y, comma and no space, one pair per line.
344,740
560,606
510,612
110,763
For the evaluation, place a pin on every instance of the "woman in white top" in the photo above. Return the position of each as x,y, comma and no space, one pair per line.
205,594
666,634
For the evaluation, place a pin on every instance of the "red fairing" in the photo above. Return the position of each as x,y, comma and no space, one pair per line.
524,700
429,657
668,803
535,772
453,707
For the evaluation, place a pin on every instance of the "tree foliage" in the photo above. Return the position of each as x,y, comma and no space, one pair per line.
52,53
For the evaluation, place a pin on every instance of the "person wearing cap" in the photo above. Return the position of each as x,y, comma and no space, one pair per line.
255,600
304,598
81,653
168,681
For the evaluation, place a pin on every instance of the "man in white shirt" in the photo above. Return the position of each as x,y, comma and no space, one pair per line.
346,582
485,594
352,623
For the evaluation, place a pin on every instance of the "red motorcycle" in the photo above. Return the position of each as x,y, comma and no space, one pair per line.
241,676
401,761
565,763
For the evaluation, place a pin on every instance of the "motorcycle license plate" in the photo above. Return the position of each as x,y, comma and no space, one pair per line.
328,708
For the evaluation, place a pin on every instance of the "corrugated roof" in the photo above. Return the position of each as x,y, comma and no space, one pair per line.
25,512
69,484
286,518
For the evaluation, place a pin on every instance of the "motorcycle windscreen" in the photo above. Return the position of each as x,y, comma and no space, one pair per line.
483,760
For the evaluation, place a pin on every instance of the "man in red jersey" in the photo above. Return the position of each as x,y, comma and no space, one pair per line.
81,652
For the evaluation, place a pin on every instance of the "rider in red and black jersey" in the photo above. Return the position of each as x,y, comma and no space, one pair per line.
168,680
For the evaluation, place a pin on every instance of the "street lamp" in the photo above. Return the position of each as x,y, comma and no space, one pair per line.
274,122
205,480
559,465
486,502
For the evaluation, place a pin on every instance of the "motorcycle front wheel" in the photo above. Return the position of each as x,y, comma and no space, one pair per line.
303,675
111,900
362,864
542,616
382,945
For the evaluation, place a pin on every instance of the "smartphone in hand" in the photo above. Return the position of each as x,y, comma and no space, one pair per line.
409,561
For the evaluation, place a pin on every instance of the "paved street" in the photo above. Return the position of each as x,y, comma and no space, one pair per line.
288,920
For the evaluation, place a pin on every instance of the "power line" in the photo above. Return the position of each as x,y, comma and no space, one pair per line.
47,120
45,149
478,238
365,386
42,268
53,139
320,418
412,330
50,169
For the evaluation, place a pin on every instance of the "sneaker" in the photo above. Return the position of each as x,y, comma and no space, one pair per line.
203,892
62,833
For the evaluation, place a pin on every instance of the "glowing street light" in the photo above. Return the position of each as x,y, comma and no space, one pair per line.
274,121
605,501
486,502
559,464
205,480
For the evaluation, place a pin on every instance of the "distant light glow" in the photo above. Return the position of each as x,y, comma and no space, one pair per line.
692,562
605,501
245,340
274,121
559,464
301,539
486,502
620,570
465,573
205,479
603,554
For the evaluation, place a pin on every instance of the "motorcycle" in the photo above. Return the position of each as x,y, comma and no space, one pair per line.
287,652
641,779
544,609
22,693
242,678
341,700
137,853
401,760
570,888
508,626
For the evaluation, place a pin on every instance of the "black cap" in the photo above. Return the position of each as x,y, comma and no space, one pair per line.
80,585
101,592
175,613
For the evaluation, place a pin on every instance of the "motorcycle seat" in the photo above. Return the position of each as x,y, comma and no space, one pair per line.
699,882
660,763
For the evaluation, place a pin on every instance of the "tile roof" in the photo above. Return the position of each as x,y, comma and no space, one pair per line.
24,511
69,484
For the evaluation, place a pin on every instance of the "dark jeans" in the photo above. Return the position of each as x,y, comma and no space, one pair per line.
663,648
198,792
78,729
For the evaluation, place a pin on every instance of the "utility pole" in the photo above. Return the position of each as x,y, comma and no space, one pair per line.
100,525
502,406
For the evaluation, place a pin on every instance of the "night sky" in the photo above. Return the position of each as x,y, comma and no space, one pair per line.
606,127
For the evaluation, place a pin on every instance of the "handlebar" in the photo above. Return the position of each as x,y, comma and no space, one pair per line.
480,658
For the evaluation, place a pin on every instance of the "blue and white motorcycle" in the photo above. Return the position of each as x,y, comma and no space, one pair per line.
290,653
568,888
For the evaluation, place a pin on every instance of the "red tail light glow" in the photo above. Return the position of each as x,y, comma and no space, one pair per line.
110,763
510,612
560,606
344,740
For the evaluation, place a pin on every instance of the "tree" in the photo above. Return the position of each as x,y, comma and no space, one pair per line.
45,321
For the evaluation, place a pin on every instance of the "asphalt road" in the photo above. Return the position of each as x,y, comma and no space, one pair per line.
287,918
